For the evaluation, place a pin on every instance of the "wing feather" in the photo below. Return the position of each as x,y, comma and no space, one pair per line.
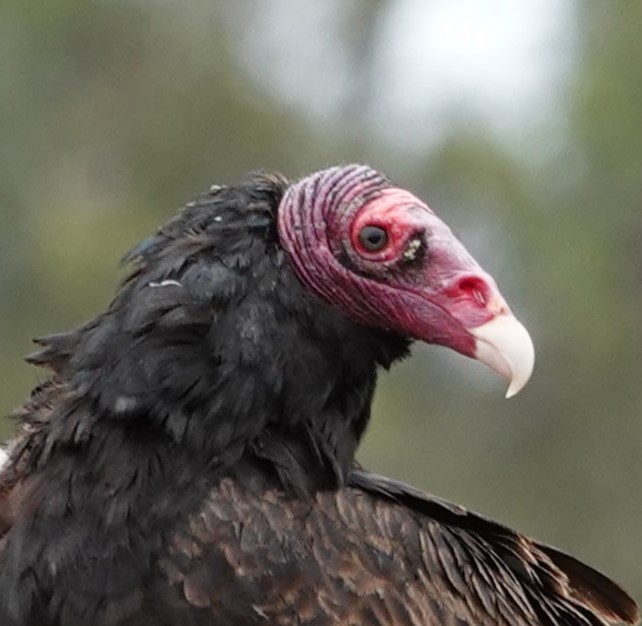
381,553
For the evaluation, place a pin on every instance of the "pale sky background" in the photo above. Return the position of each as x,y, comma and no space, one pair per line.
435,62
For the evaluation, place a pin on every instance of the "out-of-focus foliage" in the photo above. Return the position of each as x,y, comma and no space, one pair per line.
114,113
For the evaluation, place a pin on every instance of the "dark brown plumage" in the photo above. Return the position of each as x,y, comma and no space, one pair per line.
377,552
191,459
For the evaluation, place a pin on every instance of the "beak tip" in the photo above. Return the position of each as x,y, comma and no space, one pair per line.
512,391
506,347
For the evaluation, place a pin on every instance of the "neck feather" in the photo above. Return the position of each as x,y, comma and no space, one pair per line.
214,346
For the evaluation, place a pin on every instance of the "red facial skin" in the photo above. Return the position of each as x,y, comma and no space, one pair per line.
422,283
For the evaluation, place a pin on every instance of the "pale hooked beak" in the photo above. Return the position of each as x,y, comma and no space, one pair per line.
506,347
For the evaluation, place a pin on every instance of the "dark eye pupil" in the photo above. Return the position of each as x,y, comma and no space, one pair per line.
373,238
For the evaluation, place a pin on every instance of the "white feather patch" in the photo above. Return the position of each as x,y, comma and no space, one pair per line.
4,457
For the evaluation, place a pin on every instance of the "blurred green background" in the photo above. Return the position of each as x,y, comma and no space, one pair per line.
519,123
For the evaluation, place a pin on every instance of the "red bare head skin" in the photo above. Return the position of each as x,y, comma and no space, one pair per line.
380,255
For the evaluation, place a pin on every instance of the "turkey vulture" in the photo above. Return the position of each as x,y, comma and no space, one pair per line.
191,459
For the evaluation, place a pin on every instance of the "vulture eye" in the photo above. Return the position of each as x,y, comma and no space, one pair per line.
373,238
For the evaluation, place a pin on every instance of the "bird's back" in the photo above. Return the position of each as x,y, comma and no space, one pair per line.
379,553
374,552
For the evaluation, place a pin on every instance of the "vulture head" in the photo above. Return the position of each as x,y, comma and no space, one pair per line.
381,256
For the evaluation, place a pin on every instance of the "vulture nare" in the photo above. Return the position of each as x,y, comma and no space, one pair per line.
190,461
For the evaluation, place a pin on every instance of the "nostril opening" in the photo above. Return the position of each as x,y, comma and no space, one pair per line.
475,288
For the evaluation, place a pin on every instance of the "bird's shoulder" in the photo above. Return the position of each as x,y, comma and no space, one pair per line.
379,552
